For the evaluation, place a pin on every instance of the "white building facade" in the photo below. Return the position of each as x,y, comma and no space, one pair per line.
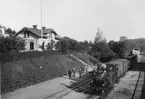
34,37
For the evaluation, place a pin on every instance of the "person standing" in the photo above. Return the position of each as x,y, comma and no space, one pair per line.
80,72
69,73
74,72
82,69
86,68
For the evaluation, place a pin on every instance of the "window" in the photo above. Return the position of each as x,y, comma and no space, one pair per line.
49,35
28,34
31,46
24,34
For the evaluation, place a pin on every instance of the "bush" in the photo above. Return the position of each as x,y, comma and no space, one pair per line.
11,44
9,57
102,52
67,45
124,47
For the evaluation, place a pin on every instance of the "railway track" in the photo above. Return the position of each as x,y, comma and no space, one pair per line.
100,96
143,90
136,86
66,91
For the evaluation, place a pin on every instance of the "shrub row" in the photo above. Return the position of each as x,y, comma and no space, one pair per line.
9,57
69,45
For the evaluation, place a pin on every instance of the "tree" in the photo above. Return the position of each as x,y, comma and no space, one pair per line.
10,32
120,47
99,37
87,46
66,45
111,44
141,43
63,45
100,49
11,44
50,46
102,52
83,46
42,46
124,47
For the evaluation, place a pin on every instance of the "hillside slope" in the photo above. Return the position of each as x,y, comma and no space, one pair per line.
29,71
34,69
87,58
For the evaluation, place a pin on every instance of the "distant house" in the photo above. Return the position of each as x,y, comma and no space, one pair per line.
34,37
135,51
3,31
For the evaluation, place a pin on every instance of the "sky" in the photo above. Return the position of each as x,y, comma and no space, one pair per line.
78,19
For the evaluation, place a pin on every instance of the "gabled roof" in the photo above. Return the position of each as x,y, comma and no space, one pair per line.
36,32
49,30
57,37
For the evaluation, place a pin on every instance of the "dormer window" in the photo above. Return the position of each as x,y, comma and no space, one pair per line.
26,34
44,33
50,34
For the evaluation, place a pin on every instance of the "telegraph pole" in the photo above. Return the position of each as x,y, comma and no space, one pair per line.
41,18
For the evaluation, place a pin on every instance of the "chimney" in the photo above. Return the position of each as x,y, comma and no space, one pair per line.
43,28
34,26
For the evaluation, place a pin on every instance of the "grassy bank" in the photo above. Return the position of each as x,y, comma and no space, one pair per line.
24,69
25,72
87,58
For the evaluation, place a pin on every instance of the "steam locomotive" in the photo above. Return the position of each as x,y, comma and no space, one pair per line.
103,78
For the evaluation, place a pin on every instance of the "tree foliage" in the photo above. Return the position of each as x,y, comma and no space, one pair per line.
124,46
63,45
120,48
102,52
10,32
100,49
42,46
50,45
99,37
139,44
11,44
47,46
67,45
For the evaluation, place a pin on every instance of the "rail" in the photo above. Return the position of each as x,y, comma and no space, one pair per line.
100,96
143,89
136,86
